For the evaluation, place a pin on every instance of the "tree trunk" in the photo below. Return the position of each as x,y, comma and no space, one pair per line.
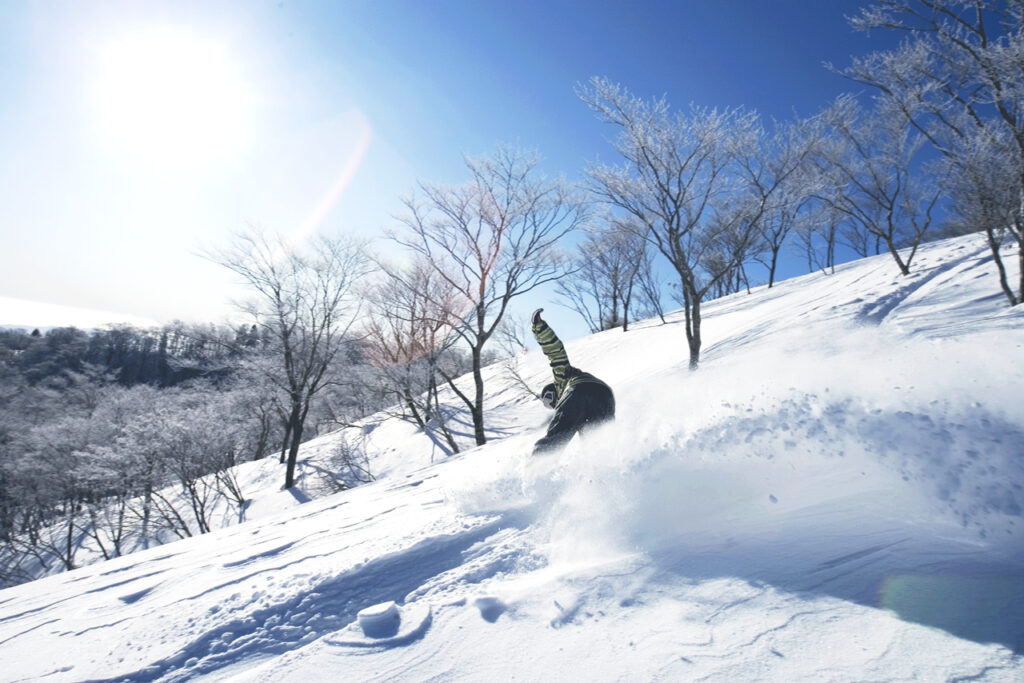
441,422
295,429
691,304
478,402
693,336
994,244
147,505
1020,265
286,441
94,532
264,437
69,549
411,406
771,269
891,246
428,408
627,301
465,399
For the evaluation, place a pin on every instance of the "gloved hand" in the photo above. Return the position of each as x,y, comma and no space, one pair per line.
535,318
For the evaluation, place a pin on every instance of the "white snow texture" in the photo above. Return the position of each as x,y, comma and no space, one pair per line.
835,495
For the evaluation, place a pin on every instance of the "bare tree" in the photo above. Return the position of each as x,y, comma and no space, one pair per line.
259,404
735,224
491,239
987,192
651,287
958,78
874,156
776,225
605,275
818,223
406,330
679,171
56,488
305,307
778,173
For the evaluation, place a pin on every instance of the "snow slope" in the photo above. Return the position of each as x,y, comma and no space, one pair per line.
835,495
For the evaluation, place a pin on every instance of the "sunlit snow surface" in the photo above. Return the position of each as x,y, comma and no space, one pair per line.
835,495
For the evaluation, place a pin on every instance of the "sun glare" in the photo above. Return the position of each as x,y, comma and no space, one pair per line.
171,102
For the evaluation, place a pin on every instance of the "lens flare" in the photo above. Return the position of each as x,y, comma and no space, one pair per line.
349,167
169,102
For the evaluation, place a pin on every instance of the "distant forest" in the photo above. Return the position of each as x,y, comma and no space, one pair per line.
122,438
125,355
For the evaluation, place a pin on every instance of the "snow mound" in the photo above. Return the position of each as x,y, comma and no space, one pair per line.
384,625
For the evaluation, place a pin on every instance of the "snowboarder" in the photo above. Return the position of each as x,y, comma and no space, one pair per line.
579,399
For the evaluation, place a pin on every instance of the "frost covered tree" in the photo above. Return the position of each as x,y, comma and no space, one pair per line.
491,239
776,225
880,187
606,275
406,332
778,174
54,488
958,78
817,229
89,466
681,182
988,194
305,306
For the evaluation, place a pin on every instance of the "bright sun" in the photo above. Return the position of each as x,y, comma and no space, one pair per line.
171,102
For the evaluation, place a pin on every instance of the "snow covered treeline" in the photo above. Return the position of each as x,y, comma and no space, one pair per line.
115,468
116,440
716,189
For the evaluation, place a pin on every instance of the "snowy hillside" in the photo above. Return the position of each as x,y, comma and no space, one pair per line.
836,495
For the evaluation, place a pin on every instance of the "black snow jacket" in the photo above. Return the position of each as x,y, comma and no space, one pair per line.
581,400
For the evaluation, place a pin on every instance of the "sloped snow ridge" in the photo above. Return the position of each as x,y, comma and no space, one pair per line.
835,495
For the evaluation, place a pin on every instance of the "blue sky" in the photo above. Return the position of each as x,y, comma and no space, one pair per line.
304,116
